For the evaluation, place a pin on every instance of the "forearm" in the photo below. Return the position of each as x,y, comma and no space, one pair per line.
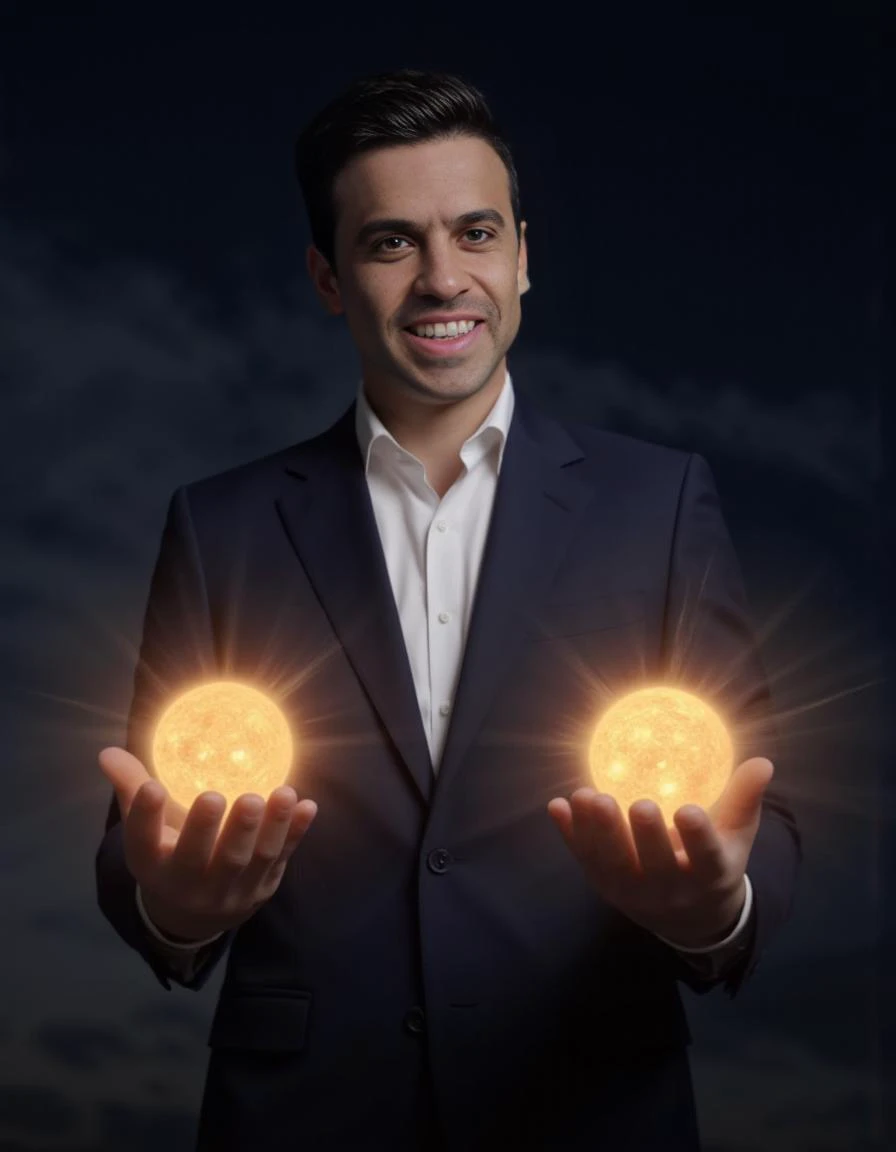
710,645
183,957
772,870
703,968
117,898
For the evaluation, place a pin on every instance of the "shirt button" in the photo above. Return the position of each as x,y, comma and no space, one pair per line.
444,617
444,709
442,526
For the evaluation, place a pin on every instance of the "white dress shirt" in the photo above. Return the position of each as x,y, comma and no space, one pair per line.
433,549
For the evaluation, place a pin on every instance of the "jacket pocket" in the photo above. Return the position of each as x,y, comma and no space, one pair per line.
271,1019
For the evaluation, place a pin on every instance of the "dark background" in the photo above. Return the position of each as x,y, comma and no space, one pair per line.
705,203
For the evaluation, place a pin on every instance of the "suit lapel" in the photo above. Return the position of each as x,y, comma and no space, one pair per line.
534,519
329,518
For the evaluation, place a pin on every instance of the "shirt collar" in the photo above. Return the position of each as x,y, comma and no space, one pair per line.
493,430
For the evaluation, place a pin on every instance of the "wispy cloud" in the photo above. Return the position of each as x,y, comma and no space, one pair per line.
121,380
822,435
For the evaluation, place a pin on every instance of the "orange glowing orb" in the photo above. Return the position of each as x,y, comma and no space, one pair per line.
224,737
661,744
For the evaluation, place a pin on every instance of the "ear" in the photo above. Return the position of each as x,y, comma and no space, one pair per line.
324,280
522,268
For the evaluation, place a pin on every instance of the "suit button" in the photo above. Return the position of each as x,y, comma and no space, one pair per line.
439,860
415,1020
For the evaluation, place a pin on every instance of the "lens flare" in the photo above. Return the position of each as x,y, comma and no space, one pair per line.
224,737
661,744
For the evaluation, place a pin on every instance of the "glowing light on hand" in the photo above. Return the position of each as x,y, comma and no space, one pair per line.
661,744
225,737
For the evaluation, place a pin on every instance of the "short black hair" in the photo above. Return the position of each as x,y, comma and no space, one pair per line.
382,110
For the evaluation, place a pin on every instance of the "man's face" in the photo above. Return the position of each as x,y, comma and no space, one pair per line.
436,263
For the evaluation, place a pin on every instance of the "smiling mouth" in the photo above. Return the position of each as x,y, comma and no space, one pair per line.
443,337
447,346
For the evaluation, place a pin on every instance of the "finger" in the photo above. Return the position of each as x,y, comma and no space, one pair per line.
271,837
676,842
601,834
739,806
589,817
196,841
561,814
656,854
702,843
301,820
125,773
236,844
175,814
142,831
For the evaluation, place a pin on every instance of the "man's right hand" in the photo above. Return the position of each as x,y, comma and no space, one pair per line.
193,881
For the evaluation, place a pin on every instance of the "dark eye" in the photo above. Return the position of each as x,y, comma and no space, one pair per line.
484,232
379,245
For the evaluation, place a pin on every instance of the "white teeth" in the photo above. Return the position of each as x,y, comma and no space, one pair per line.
441,331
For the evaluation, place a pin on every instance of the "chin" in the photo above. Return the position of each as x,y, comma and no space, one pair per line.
464,380
449,390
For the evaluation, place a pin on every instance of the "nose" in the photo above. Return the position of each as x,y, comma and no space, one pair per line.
442,271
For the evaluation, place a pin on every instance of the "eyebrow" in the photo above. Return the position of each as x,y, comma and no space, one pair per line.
396,224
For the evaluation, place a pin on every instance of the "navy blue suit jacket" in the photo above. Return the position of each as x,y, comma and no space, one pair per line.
435,971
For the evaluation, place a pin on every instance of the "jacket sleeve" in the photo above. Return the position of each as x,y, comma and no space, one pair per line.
177,650
710,649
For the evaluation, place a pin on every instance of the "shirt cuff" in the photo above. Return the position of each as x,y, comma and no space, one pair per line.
192,946
721,946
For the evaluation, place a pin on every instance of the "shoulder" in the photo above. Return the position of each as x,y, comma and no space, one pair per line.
240,489
601,452
634,450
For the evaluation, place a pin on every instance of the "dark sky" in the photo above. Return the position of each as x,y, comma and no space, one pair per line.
704,218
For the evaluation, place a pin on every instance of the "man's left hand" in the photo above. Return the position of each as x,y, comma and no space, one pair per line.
684,883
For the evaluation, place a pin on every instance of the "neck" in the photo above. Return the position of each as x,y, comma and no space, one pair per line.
435,433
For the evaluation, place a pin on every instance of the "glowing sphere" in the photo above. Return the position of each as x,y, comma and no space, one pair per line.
664,745
225,737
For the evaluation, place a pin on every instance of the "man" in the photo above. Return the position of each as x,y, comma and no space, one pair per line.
442,936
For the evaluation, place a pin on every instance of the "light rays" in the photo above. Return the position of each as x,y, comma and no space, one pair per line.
809,681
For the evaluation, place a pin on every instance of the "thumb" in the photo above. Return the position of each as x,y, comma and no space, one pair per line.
739,805
125,773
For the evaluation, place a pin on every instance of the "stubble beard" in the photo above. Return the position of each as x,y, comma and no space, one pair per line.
462,382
